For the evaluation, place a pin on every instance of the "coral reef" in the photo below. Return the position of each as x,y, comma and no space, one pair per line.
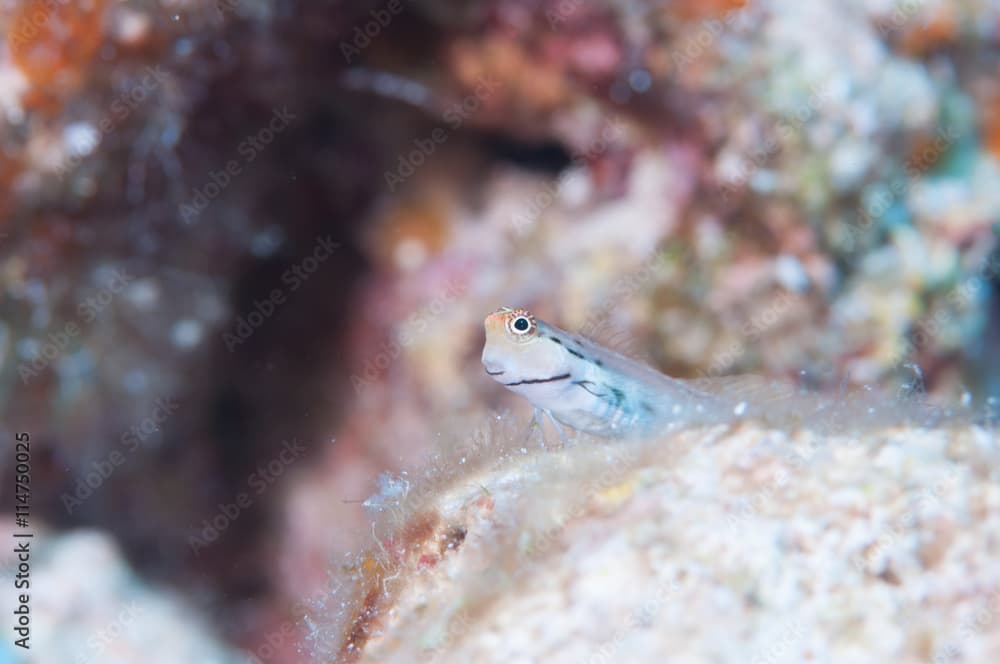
228,226
719,544
725,203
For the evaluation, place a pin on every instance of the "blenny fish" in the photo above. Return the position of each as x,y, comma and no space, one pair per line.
580,384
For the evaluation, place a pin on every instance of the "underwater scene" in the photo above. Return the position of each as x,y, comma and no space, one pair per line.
499,331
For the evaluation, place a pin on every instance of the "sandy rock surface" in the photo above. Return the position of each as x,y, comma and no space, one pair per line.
729,544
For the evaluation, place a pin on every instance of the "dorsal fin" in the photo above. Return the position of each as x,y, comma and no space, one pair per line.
616,362
607,335
749,387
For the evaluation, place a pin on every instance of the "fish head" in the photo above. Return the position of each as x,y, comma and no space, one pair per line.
516,349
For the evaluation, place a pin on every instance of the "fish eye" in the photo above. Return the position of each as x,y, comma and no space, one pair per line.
521,324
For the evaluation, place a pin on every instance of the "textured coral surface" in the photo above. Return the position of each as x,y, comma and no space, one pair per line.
724,544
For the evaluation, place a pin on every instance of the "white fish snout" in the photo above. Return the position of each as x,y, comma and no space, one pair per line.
492,366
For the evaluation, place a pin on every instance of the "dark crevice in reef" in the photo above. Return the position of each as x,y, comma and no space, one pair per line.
286,380
548,157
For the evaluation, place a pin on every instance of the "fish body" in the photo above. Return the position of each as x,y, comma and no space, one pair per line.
592,389
585,386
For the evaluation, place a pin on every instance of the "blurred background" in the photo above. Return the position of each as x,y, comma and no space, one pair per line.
246,247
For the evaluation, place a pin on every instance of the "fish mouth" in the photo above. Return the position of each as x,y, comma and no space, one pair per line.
536,381
494,373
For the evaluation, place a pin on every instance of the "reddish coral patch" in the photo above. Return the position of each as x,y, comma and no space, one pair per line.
939,30
991,126
694,10
54,43
361,626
